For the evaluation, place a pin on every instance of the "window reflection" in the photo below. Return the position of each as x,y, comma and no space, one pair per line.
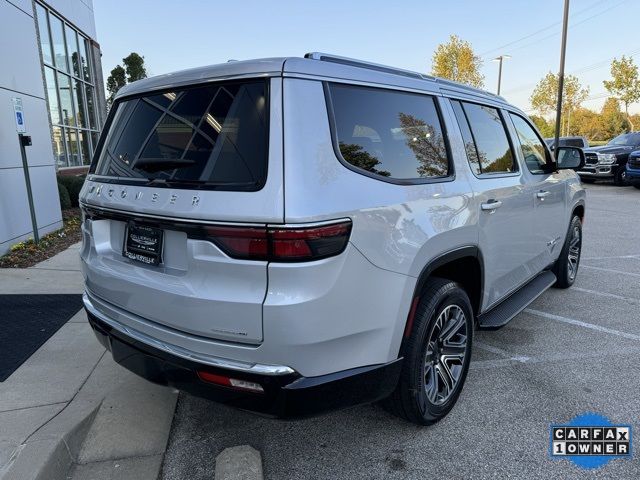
59,48
52,95
58,147
486,142
531,145
389,133
66,55
72,50
358,157
43,31
207,134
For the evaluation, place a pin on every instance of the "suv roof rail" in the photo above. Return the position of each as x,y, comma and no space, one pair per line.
326,57
462,86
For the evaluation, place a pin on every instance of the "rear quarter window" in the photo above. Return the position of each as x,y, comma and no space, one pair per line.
387,134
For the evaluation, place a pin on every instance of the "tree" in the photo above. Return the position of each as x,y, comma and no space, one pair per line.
545,95
586,123
457,61
546,128
357,156
133,70
612,120
427,145
134,65
624,84
116,80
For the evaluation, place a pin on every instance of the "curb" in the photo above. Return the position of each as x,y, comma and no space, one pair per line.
56,450
239,463
49,454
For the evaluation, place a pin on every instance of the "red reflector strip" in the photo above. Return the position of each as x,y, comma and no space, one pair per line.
213,378
230,382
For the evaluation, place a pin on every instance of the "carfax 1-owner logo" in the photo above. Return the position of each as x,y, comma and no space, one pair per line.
590,441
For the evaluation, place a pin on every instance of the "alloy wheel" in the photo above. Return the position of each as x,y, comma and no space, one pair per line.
573,257
445,355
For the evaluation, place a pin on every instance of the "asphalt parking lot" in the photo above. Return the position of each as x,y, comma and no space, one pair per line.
572,351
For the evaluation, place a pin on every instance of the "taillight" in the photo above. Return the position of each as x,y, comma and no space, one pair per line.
240,242
281,244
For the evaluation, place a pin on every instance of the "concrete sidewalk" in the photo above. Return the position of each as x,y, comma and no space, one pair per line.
69,411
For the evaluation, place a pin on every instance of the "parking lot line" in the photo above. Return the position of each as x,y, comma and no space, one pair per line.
498,351
634,301
559,357
636,257
611,270
580,323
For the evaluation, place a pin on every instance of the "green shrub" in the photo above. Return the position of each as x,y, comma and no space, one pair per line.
73,185
63,193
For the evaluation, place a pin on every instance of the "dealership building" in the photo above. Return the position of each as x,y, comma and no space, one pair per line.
51,90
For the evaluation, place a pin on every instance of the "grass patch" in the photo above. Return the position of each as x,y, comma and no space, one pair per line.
27,253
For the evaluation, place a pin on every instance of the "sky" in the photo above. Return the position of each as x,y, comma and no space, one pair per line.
189,33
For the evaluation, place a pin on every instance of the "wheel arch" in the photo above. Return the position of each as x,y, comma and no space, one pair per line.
464,265
578,209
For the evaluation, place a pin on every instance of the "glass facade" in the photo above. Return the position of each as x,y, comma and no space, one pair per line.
70,84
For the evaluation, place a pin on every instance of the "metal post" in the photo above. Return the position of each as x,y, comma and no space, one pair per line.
563,48
25,167
499,73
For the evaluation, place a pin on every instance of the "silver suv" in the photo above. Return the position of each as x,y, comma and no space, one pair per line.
294,235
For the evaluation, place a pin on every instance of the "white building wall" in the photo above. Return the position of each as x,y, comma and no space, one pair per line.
21,76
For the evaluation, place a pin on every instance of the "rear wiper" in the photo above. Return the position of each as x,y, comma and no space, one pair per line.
159,164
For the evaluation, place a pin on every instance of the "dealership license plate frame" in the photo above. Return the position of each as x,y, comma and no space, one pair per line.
143,243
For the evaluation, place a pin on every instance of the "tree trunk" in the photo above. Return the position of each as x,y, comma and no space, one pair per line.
626,110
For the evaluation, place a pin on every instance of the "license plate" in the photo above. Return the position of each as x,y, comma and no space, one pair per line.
143,244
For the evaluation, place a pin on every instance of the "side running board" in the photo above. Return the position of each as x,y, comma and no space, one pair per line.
502,313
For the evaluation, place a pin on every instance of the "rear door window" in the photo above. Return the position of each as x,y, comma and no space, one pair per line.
486,132
389,134
208,136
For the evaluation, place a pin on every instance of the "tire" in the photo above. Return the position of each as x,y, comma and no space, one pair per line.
564,269
620,178
587,180
637,185
443,320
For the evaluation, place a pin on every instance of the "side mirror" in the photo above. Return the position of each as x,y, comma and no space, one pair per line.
569,158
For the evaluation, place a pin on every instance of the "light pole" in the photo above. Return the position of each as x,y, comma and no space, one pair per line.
500,59
563,48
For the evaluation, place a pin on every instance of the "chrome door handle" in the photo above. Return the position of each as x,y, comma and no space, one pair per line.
542,194
491,205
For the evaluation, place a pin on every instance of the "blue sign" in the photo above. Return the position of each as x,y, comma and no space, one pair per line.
18,114
590,441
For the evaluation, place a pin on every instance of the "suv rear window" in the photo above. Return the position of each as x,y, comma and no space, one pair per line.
211,136
389,134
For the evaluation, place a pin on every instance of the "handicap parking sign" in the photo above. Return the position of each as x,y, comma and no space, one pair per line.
19,115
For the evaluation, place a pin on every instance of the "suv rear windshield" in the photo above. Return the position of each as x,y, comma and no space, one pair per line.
211,136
